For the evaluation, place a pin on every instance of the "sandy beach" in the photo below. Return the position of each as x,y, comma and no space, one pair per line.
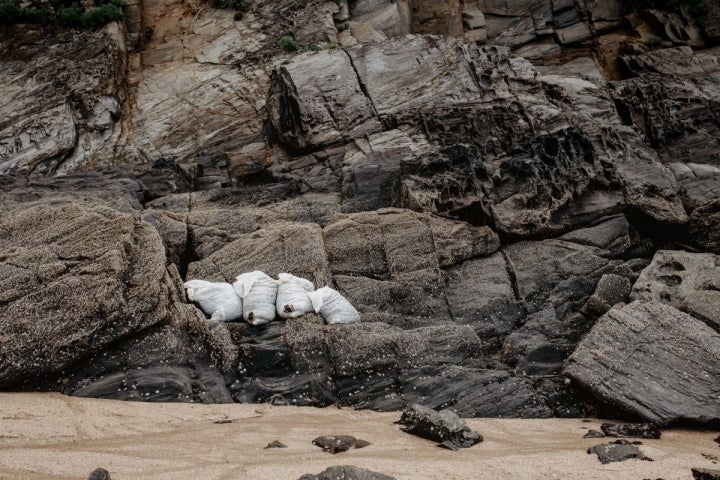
54,436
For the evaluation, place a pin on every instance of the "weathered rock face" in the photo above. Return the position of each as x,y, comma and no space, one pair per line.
480,211
68,272
62,97
648,358
670,102
476,135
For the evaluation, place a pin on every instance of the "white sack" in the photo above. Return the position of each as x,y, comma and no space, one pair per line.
333,307
218,300
292,296
258,292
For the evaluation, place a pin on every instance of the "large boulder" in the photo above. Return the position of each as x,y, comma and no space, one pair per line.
378,366
653,362
74,279
84,286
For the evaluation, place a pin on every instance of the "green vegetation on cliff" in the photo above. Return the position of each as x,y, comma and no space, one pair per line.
71,15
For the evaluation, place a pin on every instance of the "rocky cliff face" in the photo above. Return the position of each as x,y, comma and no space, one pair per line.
487,182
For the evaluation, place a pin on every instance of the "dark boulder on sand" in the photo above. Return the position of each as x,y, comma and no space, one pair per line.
346,472
444,427
617,452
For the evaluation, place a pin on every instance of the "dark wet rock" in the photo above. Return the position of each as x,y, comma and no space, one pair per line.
636,430
669,349
554,271
477,392
376,365
541,345
613,235
612,452
339,443
480,293
346,472
705,474
717,440
167,364
275,444
444,427
370,359
99,474
551,294
593,434
387,366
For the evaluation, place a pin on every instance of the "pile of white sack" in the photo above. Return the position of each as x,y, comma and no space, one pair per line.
258,298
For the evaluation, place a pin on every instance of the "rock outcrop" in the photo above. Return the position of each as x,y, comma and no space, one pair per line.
485,181
434,86
62,97
653,361
89,302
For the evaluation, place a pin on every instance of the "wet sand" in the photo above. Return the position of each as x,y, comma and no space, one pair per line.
53,436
